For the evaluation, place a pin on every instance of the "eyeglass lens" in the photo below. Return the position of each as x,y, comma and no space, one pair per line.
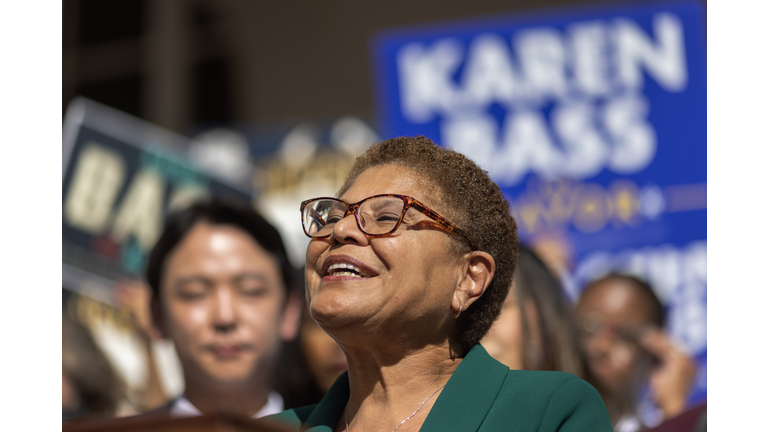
378,215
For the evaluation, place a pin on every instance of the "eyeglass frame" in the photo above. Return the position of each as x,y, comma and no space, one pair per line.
408,202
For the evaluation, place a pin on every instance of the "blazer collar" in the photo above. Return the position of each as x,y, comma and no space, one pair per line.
468,395
462,405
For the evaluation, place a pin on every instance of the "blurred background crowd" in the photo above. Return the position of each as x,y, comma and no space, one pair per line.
582,112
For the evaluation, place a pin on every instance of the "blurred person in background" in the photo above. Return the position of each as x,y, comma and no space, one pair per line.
310,365
535,330
555,251
621,322
90,386
325,359
222,291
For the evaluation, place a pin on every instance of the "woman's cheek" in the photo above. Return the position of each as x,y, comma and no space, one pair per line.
313,265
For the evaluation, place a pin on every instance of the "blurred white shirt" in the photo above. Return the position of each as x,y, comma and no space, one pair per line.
182,407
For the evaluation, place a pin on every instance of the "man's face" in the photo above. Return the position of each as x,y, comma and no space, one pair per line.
222,299
610,316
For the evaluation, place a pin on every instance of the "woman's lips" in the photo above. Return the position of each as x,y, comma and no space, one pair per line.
344,278
603,368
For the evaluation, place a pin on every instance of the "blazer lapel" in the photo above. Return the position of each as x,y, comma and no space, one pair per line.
468,395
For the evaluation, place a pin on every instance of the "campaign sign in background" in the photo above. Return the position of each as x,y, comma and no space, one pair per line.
592,121
121,177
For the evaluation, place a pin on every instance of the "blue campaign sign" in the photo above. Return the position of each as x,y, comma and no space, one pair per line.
592,121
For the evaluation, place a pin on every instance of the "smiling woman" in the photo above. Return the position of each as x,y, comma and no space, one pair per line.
407,269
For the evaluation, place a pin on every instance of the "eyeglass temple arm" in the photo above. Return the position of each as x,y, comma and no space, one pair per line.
445,223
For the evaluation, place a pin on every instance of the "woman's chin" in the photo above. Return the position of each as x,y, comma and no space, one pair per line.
329,312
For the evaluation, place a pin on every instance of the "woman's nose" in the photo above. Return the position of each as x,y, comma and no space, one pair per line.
600,343
347,231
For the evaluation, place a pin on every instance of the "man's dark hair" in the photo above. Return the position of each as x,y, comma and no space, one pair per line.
658,316
218,212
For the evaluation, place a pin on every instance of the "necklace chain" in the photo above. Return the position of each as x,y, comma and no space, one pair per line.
346,412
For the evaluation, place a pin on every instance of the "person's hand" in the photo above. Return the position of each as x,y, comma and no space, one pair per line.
134,296
672,379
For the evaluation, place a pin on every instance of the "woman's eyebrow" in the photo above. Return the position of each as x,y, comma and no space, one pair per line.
377,204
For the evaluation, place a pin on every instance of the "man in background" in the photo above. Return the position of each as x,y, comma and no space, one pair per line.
221,291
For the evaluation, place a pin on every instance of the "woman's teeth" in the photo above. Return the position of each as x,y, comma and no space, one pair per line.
345,269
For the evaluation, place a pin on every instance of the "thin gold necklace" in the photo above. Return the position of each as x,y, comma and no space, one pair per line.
346,412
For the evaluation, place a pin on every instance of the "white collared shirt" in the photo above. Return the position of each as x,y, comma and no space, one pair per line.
182,407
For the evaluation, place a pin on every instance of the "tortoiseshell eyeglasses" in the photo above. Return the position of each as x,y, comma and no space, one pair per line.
376,216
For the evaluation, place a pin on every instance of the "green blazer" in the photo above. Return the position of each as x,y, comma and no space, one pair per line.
484,395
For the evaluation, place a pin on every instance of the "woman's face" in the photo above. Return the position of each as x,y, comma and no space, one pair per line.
505,340
406,281
615,309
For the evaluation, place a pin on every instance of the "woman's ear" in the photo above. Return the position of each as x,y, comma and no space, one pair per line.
477,273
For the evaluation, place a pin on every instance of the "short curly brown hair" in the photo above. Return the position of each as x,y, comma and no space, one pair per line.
469,199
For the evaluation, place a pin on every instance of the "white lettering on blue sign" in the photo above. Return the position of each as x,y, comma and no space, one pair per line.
591,75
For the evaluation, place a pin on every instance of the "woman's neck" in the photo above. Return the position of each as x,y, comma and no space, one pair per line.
386,388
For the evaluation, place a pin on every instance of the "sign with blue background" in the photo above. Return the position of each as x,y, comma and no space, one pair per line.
592,121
